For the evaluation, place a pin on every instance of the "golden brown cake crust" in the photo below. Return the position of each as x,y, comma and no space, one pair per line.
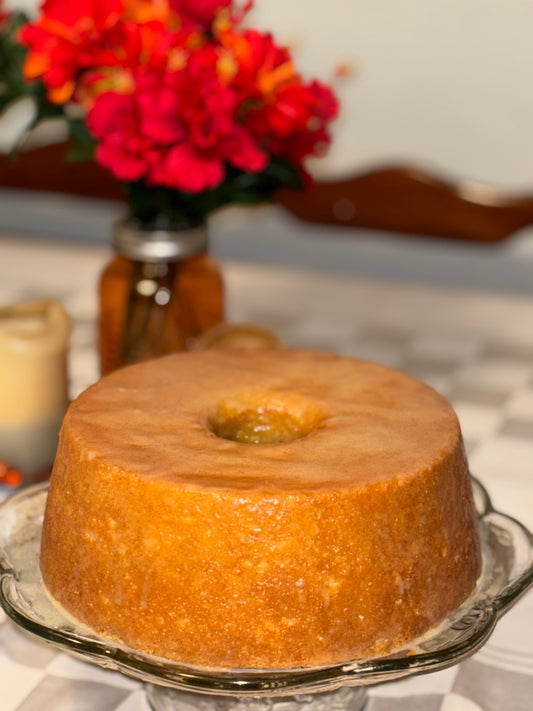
342,543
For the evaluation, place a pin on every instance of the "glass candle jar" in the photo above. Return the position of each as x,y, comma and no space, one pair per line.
34,339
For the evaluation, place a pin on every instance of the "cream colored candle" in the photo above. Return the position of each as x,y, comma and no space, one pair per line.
34,341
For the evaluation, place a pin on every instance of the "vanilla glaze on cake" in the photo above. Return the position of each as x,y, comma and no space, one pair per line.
260,509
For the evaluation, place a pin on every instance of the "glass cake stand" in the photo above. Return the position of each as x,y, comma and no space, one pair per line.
507,549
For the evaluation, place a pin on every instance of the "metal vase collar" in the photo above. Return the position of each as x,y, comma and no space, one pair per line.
133,240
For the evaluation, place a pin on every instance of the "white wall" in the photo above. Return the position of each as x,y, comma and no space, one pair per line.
449,82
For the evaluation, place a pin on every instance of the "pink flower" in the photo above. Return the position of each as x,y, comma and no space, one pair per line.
114,120
186,169
177,129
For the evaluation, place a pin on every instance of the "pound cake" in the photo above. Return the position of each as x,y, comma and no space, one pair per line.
260,509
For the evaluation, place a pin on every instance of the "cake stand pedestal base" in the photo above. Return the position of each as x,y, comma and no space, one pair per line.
161,698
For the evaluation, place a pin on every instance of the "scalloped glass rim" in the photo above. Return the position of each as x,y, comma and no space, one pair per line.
507,548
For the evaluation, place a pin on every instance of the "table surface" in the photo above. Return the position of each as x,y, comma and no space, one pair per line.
476,348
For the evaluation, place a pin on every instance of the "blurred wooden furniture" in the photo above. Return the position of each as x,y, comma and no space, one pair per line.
47,168
409,200
400,199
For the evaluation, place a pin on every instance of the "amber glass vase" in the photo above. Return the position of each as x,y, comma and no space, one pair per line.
158,294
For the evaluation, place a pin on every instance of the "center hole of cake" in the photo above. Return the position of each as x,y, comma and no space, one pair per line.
268,423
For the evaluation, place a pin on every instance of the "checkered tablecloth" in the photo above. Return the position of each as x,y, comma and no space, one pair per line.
475,348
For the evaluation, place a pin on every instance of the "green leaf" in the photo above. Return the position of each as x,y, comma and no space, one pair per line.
13,85
152,205
83,144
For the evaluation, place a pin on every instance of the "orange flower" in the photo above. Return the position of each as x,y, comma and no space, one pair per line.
68,38
9,477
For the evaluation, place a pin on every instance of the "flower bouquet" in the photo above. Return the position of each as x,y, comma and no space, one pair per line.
186,106
189,109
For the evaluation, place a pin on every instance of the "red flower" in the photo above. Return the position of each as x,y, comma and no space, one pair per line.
69,37
114,120
286,116
177,129
200,13
4,15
